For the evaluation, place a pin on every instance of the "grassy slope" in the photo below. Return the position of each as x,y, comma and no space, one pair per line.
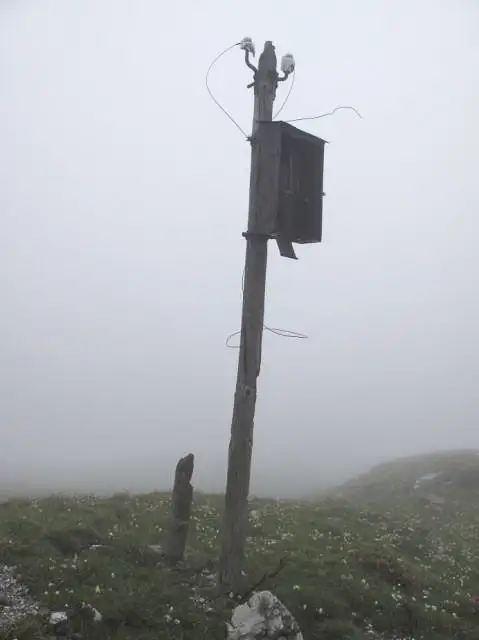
407,574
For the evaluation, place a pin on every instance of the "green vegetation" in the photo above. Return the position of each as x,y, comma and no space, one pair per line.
354,572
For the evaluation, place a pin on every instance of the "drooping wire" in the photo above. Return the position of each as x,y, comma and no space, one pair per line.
283,333
330,113
220,55
290,90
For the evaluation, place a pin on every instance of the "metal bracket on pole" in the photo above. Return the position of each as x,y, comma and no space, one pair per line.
286,248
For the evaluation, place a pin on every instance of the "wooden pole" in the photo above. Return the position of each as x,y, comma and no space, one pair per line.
262,194
181,499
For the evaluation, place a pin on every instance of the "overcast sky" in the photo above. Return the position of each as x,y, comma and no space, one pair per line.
123,196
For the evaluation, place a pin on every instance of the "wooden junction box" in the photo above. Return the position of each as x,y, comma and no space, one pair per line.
289,188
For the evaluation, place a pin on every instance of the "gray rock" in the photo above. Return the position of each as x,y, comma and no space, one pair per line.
58,616
59,623
95,614
263,616
16,602
157,548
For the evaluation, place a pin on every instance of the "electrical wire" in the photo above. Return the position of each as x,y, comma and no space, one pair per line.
220,55
330,113
225,111
283,333
287,96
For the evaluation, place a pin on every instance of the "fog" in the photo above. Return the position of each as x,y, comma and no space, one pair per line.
123,197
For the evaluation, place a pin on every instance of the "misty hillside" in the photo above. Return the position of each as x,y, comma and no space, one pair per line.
438,479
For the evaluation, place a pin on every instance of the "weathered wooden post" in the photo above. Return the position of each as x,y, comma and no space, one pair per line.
285,204
181,500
